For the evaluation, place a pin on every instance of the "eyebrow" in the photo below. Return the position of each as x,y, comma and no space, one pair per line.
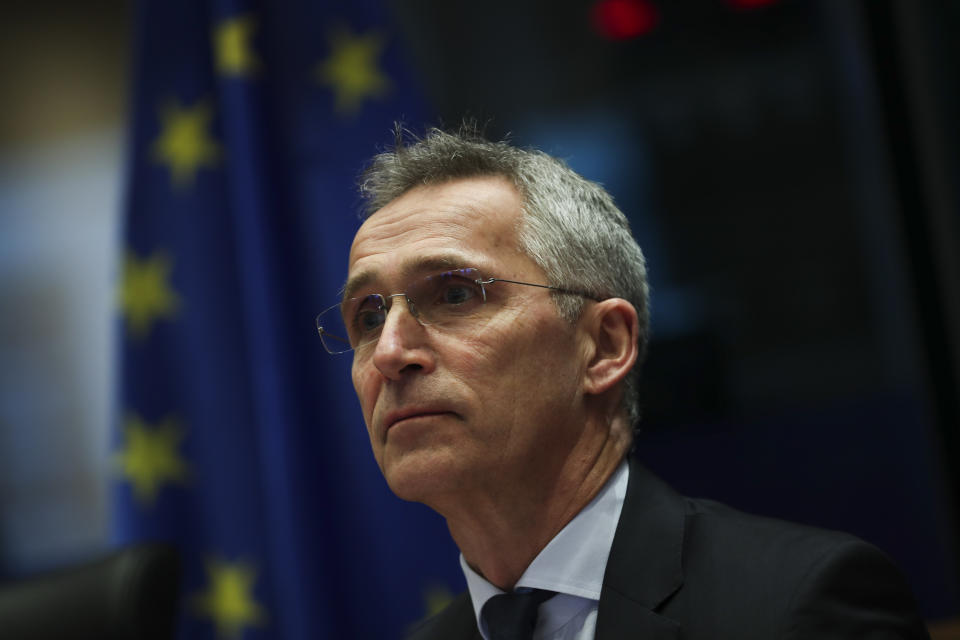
440,262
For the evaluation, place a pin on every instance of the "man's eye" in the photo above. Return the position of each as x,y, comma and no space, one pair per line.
369,320
457,294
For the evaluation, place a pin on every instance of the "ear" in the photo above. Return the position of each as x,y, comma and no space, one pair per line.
613,328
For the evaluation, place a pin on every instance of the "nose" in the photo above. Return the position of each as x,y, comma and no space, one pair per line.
402,347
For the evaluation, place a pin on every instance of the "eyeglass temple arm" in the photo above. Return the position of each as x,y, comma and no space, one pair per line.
543,286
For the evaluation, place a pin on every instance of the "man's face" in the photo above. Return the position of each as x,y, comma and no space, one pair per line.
477,410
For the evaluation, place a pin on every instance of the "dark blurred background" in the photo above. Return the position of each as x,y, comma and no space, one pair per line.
789,167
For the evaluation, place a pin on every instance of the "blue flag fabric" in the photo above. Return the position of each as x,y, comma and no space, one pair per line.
238,438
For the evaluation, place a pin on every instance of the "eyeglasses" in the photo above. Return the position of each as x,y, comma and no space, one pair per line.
450,299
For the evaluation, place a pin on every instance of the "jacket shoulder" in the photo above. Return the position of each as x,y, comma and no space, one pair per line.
794,580
757,544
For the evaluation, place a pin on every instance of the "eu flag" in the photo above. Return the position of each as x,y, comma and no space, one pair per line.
239,439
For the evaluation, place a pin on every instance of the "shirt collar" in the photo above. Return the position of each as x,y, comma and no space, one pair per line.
574,561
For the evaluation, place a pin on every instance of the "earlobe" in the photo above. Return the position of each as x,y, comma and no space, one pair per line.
614,328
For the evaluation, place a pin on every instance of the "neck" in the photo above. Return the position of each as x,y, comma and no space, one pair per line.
500,532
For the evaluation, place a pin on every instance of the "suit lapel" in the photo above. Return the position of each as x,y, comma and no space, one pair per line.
645,564
620,617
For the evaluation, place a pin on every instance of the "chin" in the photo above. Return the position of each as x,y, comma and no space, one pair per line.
412,489
418,478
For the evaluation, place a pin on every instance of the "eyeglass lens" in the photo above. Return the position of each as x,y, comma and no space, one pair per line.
449,298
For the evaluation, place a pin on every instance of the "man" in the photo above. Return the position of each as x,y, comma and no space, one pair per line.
496,306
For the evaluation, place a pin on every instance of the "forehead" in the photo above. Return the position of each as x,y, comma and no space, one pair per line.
469,222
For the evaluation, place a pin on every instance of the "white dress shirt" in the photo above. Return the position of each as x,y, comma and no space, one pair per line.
572,564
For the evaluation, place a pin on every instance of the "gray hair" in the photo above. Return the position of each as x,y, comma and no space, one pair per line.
569,225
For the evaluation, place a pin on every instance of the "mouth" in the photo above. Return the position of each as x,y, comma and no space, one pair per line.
396,417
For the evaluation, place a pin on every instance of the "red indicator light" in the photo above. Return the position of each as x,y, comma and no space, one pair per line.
624,19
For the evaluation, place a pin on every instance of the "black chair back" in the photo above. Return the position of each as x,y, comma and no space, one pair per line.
129,595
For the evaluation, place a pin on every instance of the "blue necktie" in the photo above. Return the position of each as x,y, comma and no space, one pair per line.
513,616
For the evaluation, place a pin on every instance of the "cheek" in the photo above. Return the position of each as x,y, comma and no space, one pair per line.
485,355
507,355
540,359
363,386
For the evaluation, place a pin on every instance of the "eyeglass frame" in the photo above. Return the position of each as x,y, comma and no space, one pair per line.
416,313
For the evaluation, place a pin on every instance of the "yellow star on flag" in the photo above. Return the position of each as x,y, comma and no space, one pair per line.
228,599
233,46
352,70
149,458
436,599
145,294
185,143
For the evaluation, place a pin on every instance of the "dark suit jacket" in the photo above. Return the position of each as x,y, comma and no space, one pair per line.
695,569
